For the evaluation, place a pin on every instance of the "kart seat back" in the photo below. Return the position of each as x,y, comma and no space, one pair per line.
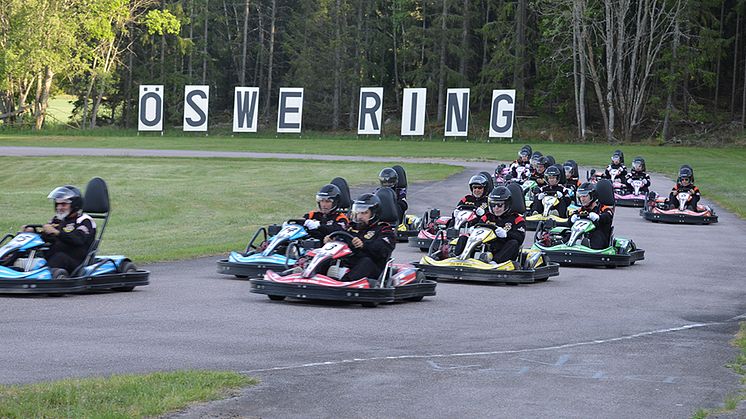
552,162
605,190
389,209
517,202
401,175
345,202
96,205
490,182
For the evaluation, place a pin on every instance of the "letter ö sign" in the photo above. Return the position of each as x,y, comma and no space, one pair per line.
290,110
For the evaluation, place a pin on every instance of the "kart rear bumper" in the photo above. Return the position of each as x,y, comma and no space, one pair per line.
421,243
247,270
342,294
74,285
575,258
673,218
458,273
630,202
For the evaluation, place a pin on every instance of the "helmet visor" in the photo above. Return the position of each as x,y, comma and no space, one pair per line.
62,195
637,166
584,192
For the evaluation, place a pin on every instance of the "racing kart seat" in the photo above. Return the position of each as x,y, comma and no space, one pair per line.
96,205
516,197
605,191
345,202
552,162
490,182
401,175
389,209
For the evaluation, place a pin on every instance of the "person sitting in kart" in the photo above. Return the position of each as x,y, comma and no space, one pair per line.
638,173
538,174
523,160
602,216
389,179
509,225
617,164
685,183
70,232
552,187
374,240
478,196
572,176
328,218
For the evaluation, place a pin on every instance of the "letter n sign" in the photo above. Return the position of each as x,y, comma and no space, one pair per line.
150,114
503,111
457,113
370,110
196,100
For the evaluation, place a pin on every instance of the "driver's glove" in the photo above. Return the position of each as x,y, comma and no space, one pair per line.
593,216
559,195
479,211
501,233
542,196
574,218
311,224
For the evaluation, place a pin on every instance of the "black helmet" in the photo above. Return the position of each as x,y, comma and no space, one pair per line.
544,161
571,169
331,192
587,188
638,164
499,169
500,194
478,179
535,158
618,154
366,201
553,171
68,194
388,177
686,172
525,152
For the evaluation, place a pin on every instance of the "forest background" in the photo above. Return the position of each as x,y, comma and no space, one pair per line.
662,71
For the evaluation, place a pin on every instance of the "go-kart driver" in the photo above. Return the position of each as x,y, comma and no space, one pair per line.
389,179
70,232
328,218
571,175
374,240
685,183
478,196
538,174
510,227
602,216
523,160
555,188
638,173
617,163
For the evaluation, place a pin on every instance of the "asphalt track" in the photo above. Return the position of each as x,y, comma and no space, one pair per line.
650,340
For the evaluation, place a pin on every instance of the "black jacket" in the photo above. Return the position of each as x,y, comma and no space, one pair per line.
331,222
512,222
77,232
379,241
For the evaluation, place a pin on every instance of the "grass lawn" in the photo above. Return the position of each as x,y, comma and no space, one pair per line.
118,396
718,170
178,208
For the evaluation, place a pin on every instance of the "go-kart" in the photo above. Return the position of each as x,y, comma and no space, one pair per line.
320,279
24,270
275,247
658,209
463,216
550,203
474,262
626,197
571,246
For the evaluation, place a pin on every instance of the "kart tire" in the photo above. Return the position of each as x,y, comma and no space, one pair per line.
241,276
414,299
369,304
125,267
276,297
59,273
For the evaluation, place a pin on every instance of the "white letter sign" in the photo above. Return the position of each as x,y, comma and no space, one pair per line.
457,113
413,112
501,116
290,110
196,100
150,115
245,109
371,105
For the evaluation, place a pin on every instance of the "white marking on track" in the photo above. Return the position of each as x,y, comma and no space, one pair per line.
498,352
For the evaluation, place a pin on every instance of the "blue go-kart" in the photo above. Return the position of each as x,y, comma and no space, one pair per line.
24,270
274,247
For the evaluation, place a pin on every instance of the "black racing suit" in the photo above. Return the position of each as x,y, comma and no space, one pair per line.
621,175
508,248
644,177
69,248
514,169
538,178
564,200
601,235
379,240
473,201
333,221
673,201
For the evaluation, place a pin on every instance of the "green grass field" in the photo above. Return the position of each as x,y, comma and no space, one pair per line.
177,208
118,396
719,171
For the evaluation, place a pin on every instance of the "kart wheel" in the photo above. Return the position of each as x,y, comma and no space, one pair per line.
369,304
241,276
124,268
276,297
59,273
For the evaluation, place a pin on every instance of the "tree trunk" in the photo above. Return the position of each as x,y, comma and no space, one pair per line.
610,69
357,57
717,66
442,63
242,78
735,66
270,67
519,69
42,101
462,67
190,67
337,65
204,48
671,86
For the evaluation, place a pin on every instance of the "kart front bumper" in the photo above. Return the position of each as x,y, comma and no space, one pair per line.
459,273
247,270
678,218
342,294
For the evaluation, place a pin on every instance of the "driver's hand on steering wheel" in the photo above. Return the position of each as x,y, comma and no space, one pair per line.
27,229
50,230
327,239
357,243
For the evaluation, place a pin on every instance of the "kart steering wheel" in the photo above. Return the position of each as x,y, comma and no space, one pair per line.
298,221
37,228
343,236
